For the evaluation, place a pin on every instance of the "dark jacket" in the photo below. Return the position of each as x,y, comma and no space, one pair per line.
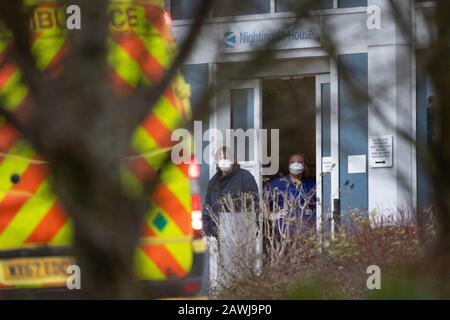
237,182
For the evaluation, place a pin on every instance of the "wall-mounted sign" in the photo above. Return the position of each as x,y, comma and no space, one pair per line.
254,39
380,151
326,164
252,167
247,36
357,164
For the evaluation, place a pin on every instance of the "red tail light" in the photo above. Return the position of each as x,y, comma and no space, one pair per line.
191,287
194,171
196,200
197,223
167,18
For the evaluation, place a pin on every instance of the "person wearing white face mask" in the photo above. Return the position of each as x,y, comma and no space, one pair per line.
296,169
294,196
225,166
230,179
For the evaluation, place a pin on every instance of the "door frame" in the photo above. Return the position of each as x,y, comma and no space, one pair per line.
320,80
254,84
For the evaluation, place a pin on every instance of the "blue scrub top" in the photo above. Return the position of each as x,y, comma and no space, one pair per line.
296,192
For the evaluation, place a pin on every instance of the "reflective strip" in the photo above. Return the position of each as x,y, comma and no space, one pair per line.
143,142
167,113
178,103
160,133
171,230
146,268
182,252
132,185
132,59
164,260
10,166
142,170
22,213
8,138
147,231
165,199
49,225
14,92
45,49
3,47
153,13
64,236
178,244
55,67
11,203
178,183
125,67
120,86
6,73
158,240
150,67
26,219
158,47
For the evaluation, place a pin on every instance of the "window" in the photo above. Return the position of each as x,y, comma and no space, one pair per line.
242,117
288,5
184,9
197,76
236,8
425,130
352,3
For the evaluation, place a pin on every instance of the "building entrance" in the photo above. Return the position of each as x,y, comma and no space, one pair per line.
289,105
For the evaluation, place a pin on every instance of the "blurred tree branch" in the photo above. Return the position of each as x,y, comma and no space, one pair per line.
439,67
78,125
150,96
69,111
16,18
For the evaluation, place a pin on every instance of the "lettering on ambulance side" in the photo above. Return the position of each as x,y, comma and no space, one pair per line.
124,18
51,17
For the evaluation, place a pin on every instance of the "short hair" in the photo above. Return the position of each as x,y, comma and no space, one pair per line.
226,152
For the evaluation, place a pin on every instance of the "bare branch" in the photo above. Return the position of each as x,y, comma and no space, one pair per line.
11,119
16,18
145,97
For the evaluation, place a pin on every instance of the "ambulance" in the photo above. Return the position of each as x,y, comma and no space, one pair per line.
36,255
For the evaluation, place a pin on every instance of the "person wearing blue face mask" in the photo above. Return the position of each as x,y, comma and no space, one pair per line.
293,197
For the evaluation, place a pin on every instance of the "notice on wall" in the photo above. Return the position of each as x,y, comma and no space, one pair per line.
357,164
380,151
326,164
250,166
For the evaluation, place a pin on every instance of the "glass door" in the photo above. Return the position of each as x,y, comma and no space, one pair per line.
245,121
324,163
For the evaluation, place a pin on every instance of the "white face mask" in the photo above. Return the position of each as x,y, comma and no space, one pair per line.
225,165
296,168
